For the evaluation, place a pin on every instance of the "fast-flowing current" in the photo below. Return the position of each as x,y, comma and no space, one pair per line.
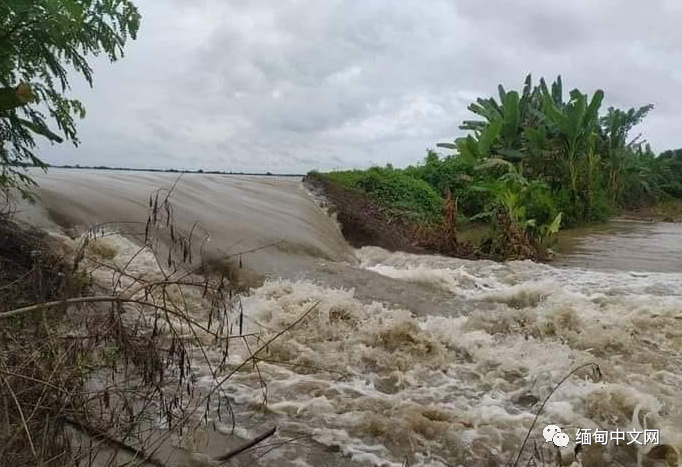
421,359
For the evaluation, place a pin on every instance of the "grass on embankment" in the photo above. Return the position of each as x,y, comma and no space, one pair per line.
394,212
398,210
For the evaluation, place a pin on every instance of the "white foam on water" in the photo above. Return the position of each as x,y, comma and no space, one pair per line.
380,384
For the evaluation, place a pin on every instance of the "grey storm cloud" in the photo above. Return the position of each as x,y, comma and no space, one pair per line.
293,85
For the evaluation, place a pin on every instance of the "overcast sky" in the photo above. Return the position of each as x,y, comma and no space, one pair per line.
294,85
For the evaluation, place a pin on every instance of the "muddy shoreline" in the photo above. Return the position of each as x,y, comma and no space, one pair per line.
665,211
362,221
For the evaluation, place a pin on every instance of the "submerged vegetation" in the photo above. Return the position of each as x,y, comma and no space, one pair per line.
533,162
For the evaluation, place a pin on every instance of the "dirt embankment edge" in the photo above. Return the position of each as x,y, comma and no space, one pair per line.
363,222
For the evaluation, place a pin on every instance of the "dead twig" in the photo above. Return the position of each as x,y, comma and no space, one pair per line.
596,370
247,445
100,435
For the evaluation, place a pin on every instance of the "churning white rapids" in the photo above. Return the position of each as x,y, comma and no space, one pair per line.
436,360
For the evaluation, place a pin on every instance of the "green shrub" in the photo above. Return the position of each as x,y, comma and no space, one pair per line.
564,203
395,190
454,173
601,208
540,204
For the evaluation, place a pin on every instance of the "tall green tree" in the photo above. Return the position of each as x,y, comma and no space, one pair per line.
42,44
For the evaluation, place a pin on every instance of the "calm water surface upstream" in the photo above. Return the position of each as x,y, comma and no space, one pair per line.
624,245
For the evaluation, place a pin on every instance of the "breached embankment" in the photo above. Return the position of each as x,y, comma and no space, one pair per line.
365,222
361,219
444,361
272,218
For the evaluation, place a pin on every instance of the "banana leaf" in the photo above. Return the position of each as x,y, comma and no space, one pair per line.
493,162
554,227
488,137
512,118
511,155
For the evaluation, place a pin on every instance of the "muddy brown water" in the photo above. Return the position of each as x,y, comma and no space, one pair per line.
623,245
437,360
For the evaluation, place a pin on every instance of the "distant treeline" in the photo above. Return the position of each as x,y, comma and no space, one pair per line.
198,171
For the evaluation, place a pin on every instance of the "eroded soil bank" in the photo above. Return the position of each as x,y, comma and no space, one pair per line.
364,222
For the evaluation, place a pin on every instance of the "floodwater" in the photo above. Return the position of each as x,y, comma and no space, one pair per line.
623,245
239,213
421,358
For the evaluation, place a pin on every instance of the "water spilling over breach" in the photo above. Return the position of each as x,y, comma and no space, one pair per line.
436,360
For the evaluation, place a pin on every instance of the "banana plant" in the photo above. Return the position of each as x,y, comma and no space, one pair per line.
515,112
505,193
618,149
546,234
477,147
575,125
509,195
556,94
506,115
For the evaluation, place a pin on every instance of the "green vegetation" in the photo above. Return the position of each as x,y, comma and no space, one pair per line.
396,190
42,43
533,162
670,163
